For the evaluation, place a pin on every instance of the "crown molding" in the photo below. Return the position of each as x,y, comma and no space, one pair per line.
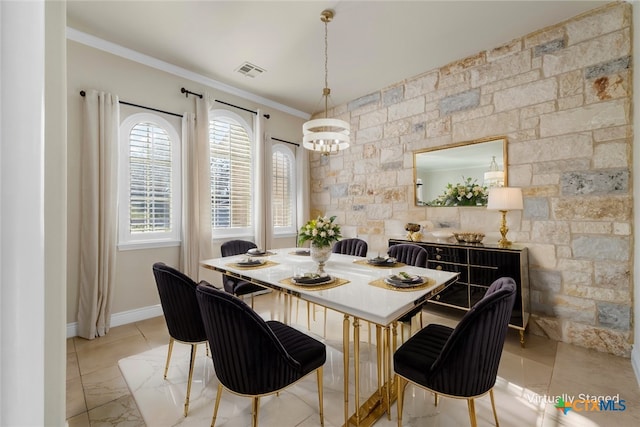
132,55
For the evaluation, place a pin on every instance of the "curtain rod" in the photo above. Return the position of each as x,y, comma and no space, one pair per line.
188,92
286,142
83,93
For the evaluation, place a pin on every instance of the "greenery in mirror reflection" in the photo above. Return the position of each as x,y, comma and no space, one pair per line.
467,193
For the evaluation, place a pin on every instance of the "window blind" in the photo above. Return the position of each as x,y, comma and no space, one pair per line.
231,175
150,179
281,193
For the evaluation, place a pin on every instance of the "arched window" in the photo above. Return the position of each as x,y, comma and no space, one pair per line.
283,190
231,162
149,194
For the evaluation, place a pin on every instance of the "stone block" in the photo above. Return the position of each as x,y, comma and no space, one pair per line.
542,256
517,80
556,232
496,124
559,166
577,278
609,67
612,133
460,101
577,309
595,182
543,36
545,280
392,95
612,275
593,116
501,69
570,84
374,118
368,100
591,227
622,228
406,108
397,128
463,64
394,166
421,85
549,47
608,87
614,316
594,293
525,95
551,150
459,81
536,208
612,155
601,248
570,102
356,190
371,134
439,127
545,179
519,175
597,338
596,24
472,114
379,211
510,48
592,208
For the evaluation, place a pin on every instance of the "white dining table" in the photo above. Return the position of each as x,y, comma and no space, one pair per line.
359,293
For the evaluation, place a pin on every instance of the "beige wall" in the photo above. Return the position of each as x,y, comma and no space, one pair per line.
89,68
562,96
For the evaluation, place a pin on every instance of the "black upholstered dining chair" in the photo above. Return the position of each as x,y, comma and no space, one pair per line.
182,314
254,357
232,285
352,246
461,362
416,256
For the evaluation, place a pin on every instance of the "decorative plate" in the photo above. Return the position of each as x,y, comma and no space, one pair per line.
311,279
381,261
404,280
249,262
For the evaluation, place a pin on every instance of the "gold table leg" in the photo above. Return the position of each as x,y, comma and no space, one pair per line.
356,363
345,348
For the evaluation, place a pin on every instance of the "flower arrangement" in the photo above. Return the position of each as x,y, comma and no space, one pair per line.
467,193
321,231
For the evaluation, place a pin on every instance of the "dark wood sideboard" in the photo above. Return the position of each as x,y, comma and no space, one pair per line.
479,265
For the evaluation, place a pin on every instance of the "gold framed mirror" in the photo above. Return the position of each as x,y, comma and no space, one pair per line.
461,174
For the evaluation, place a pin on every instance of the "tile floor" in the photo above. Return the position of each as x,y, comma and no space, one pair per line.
98,395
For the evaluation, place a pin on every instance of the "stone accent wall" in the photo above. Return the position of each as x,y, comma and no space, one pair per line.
562,97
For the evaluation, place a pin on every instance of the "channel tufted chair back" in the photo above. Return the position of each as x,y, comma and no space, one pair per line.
252,356
232,285
461,362
353,246
181,312
409,254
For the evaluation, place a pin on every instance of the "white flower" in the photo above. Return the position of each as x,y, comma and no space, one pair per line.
323,234
331,232
314,233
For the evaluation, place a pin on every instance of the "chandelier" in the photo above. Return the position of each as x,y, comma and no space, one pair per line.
326,136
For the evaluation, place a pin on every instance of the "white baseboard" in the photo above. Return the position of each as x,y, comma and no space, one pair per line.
635,361
123,318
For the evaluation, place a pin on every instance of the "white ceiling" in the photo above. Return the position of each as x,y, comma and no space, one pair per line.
372,44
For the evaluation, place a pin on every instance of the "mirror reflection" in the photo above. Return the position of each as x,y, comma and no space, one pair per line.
461,174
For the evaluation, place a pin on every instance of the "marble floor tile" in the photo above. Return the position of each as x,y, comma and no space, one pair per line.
76,403
122,412
115,334
73,368
103,386
108,354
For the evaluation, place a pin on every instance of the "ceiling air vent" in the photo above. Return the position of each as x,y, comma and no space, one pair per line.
250,70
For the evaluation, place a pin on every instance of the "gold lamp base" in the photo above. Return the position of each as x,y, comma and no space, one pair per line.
503,231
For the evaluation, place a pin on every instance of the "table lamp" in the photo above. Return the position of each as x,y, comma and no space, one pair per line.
505,199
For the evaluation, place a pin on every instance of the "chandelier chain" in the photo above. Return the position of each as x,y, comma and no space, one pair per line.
326,67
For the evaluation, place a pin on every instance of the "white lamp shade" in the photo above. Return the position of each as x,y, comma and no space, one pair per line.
505,199
326,135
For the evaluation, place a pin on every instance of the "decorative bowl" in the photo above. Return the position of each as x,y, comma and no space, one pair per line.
468,237
441,234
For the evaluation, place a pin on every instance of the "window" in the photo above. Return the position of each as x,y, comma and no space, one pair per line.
149,193
231,161
283,192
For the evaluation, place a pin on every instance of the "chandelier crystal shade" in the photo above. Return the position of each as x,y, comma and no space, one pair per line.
326,136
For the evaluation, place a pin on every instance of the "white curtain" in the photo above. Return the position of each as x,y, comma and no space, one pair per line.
263,210
196,190
302,187
98,213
